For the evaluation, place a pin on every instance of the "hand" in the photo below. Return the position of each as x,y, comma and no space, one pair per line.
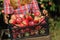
6,18
6,21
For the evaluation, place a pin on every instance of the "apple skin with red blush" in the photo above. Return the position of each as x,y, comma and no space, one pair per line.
36,14
25,22
18,20
31,23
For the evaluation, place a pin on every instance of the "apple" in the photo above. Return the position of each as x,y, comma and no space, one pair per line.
45,12
42,18
31,23
17,15
32,32
42,31
36,19
19,35
21,25
36,14
27,29
36,32
28,17
50,3
25,22
13,31
27,34
22,31
18,20
43,22
14,35
38,27
42,5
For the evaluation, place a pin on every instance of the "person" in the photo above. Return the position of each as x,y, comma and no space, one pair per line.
19,6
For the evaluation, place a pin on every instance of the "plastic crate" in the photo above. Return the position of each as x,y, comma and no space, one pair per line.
29,31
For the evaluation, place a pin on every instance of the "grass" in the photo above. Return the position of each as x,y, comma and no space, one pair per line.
55,29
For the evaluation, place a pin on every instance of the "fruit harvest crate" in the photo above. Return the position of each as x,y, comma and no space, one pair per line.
37,30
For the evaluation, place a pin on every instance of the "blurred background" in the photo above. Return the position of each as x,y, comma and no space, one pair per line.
53,8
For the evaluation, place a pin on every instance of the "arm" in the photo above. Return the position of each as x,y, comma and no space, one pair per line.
6,10
35,7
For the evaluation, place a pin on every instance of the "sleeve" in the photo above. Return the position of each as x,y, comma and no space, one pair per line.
35,7
6,7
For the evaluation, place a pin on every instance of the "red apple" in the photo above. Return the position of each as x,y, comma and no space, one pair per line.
38,27
25,22
21,25
13,31
17,15
42,19
37,14
36,19
18,20
31,23
22,31
43,22
27,29
14,35
50,3
28,17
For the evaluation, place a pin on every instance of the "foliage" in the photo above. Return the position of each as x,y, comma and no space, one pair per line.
52,6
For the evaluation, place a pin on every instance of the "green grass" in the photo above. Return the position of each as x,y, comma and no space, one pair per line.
55,30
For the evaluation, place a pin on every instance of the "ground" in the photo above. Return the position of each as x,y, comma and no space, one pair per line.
55,30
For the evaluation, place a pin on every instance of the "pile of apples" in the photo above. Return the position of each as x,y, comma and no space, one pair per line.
23,20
